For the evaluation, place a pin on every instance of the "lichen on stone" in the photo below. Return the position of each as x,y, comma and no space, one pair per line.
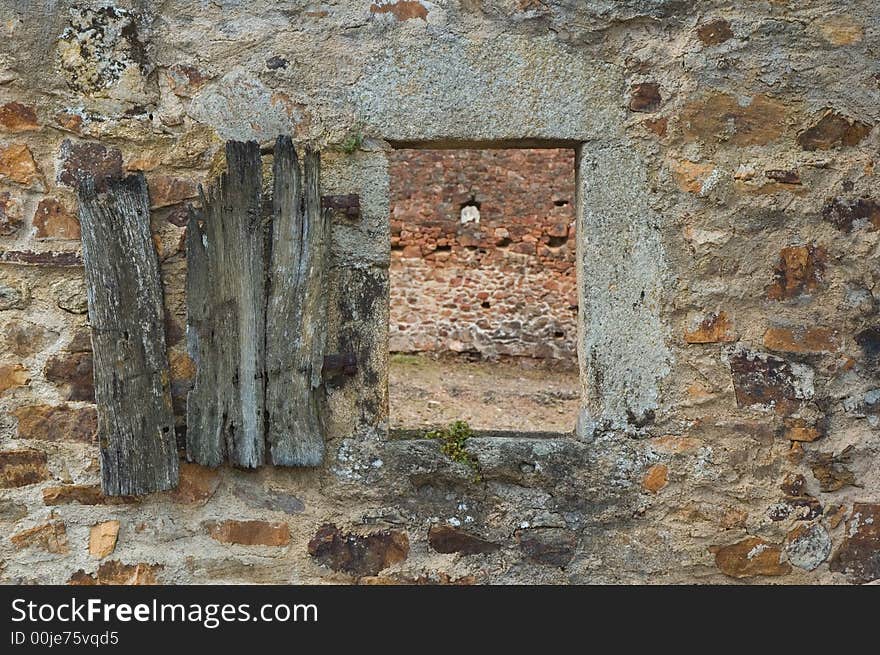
103,48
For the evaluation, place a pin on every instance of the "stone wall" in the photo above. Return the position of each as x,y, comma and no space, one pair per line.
727,229
482,252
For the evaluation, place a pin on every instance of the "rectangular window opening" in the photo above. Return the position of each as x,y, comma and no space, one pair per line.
483,320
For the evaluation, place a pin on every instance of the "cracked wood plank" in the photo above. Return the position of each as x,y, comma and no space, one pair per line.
296,316
135,421
226,308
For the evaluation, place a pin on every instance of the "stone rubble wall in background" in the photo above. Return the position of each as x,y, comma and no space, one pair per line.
497,281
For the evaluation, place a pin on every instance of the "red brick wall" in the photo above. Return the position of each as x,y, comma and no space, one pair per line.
503,285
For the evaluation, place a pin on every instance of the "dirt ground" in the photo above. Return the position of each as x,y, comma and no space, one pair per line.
519,395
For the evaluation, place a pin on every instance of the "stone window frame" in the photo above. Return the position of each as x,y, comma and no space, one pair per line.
622,340
501,144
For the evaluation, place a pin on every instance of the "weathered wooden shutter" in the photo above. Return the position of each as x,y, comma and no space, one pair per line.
257,304
226,309
296,314
135,421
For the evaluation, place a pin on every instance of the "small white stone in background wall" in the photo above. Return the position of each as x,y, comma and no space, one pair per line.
470,214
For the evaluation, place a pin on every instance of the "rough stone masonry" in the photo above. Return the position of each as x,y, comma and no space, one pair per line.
482,253
728,217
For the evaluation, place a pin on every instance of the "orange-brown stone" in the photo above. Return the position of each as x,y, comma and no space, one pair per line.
115,572
644,97
750,557
657,125
690,176
451,539
102,539
794,484
82,494
197,483
74,373
797,429
698,391
715,328
13,376
846,213
17,117
783,176
675,444
69,121
250,533
166,190
835,514
766,380
51,537
52,220
17,164
83,160
726,118
859,554
840,30
656,478
714,32
401,10
831,470
801,340
799,271
56,423
833,130
19,468
186,79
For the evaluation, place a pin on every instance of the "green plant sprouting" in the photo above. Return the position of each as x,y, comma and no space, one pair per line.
353,142
452,439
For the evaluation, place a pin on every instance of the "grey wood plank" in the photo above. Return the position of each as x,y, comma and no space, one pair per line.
226,307
135,421
296,314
